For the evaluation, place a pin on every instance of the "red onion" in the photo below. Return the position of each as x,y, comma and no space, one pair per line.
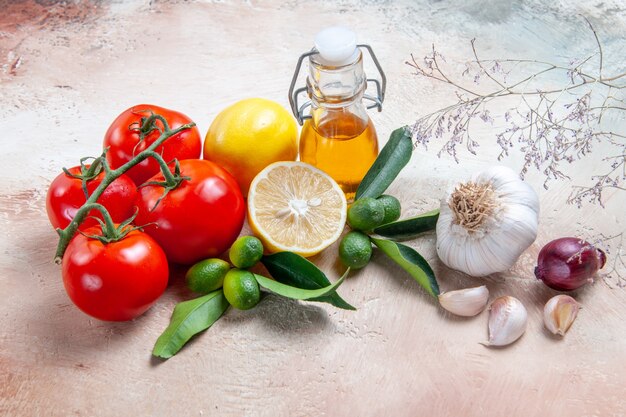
568,263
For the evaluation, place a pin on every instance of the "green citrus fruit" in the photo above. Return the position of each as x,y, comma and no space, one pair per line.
355,250
207,275
245,252
391,205
241,289
366,214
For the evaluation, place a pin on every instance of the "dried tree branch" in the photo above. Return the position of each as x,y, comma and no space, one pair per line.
552,125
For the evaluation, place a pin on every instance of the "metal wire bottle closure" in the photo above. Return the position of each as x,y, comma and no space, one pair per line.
318,93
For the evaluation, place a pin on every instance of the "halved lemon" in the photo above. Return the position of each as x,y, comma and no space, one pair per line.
293,206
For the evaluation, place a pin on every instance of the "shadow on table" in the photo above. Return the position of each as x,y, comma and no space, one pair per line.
60,328
274,314
281,315
400,278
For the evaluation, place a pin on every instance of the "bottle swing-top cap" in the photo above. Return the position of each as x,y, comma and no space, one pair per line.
336,46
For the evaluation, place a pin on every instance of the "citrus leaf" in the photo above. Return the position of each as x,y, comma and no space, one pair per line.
188,319
392,158
297,293
410,261
292,269
409,228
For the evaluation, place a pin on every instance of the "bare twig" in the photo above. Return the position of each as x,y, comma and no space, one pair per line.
595,35
614,272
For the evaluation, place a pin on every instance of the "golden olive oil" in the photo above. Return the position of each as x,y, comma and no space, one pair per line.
342,144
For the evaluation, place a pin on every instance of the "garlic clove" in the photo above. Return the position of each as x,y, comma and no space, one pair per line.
467,302
559,313
507,321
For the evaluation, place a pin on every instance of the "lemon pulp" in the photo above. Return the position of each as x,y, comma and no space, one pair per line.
293,206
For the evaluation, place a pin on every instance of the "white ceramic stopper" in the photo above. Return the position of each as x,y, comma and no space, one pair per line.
336,45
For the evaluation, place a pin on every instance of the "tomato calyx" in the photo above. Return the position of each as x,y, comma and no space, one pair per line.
88,172
110,231
146,125
172,180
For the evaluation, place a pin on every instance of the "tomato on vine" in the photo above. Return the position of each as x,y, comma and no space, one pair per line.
114,273
69,191
195,213
128,136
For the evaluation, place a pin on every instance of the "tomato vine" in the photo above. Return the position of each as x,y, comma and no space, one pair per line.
147,124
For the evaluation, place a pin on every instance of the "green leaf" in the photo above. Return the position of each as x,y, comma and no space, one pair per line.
409,228
292,269
392,158
296,293
188,319
410,261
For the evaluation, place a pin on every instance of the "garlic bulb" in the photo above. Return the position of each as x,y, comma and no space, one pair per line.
507,321
467,302
486,223
559,313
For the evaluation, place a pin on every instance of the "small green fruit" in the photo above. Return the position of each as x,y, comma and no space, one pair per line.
241,289
206,276
355,250
366,214
392,208
246,252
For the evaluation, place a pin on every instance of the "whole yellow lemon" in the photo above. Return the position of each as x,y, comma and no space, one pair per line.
249,135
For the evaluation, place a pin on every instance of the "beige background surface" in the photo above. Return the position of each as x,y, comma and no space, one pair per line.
68,70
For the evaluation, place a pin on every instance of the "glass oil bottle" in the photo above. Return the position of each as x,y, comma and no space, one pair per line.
338,135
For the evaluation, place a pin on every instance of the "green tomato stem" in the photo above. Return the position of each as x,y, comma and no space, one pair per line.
170,179
65,235
108,230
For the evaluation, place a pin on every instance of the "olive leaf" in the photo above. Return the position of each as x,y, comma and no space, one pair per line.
188,319
410,261
409,228
298,293
292,269
392,158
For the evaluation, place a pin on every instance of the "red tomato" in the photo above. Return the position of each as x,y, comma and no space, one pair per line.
123,142
65,196
116,281
200,218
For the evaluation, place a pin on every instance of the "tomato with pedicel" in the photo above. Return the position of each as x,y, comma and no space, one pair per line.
114,281
123,140
65,196
199,219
